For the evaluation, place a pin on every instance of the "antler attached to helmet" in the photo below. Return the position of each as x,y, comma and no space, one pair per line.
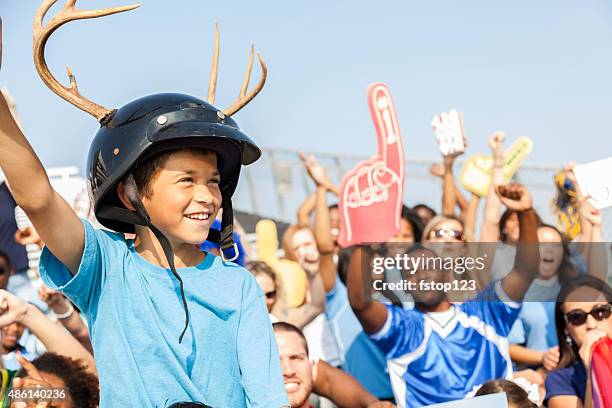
42,33
243,97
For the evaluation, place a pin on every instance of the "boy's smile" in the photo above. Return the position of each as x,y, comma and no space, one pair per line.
185,196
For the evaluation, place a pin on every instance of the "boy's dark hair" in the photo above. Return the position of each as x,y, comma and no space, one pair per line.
412,218
289,328
516,396
6,258
189,405
81,385
145,171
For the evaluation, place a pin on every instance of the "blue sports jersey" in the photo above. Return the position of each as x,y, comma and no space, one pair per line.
360,357
430,362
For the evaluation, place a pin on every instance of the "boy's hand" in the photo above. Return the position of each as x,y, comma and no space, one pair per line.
12,308
515,196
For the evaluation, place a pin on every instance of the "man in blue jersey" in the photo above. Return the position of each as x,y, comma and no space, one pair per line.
440,351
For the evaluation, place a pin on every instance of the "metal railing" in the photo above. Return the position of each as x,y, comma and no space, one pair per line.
277,184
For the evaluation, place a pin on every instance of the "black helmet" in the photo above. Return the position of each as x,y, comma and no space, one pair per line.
157,123
148,126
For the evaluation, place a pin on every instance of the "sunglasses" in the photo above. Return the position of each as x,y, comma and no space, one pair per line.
447,233
271,294
579,317
2,270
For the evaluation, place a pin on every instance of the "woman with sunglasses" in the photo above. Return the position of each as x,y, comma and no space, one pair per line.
297,316
443,228
533,341
583,316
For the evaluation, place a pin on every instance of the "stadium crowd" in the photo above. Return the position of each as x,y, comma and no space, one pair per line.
151,294
340,346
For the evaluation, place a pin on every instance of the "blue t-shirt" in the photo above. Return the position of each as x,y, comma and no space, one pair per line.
431,361
228,356
567,381
361,358
535,326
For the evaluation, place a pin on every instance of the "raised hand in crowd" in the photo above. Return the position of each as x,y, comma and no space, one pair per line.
322,226
489,231
451,195
66,315
34,379
61,382
317,173
593,247
437,170
28,236
516,197
55,338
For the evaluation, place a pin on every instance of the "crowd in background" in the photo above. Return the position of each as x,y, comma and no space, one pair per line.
340,346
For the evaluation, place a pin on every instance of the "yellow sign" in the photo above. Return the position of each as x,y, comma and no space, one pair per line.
476,174
290,275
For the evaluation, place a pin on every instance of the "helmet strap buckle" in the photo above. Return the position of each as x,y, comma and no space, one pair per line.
234,257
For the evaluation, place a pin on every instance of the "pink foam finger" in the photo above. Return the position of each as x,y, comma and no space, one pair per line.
384,116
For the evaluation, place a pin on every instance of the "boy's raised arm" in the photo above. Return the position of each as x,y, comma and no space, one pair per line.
54,219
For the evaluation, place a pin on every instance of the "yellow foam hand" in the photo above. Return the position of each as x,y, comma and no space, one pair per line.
476,174
291,276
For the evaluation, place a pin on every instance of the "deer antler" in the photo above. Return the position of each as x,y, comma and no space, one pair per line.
212,82
42,33
243,97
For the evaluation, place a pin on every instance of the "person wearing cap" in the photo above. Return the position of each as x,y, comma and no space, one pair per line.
168,322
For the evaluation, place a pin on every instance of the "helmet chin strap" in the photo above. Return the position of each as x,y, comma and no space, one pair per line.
131,191
225,237
229,250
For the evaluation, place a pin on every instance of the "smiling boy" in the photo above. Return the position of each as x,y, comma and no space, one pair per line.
160,167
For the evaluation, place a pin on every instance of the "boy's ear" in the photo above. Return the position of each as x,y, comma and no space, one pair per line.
123,197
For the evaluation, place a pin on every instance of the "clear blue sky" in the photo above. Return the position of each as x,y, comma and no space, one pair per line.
534,68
